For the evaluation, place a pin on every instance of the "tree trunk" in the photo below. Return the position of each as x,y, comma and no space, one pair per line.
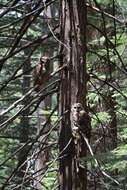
42,155
24,126
73,85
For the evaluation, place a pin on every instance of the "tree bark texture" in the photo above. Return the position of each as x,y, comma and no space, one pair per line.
73,86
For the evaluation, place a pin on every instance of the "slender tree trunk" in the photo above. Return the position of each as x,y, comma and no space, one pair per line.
73,85
113,124
24,126
42,155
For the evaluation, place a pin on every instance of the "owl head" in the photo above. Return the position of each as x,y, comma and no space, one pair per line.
77,107
44,61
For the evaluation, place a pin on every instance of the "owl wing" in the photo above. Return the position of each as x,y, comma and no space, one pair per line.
85,125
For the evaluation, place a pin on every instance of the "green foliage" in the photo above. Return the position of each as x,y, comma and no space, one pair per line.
118,160
50,180
106,63
100,117
8,147
105,2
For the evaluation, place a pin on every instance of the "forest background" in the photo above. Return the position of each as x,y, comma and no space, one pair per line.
86,64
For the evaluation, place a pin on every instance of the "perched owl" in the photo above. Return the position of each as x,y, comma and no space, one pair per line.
80,128
41,73
80,120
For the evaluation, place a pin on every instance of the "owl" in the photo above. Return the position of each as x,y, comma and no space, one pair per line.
80,120
80,128
41,73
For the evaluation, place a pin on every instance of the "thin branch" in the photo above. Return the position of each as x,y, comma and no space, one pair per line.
105,13
96,161
39,40
109,84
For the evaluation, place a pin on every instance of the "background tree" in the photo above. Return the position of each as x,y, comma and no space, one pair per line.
87,54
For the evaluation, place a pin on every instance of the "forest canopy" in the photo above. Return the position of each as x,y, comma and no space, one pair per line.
63,115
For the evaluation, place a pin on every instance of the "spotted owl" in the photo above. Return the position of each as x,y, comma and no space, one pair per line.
41,73
80,120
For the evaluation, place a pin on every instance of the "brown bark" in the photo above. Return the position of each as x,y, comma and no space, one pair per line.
73,85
